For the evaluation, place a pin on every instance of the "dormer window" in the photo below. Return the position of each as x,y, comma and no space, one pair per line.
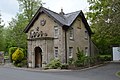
56,31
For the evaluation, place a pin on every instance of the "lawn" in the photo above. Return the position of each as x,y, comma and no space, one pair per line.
118,73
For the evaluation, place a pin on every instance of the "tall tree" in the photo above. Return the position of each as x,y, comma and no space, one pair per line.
29,7
14,33
104,23
1,35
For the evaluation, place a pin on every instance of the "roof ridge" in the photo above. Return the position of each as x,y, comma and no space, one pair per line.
55,12
73,12
50,10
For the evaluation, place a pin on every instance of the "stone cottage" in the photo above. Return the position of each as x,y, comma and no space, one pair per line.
54,35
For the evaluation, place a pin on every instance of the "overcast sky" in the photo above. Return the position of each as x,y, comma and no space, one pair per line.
9,8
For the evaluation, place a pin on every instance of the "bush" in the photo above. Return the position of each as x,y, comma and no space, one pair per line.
70,61
81,58
18,55
64,66
105,58
78,63
11,51
54,64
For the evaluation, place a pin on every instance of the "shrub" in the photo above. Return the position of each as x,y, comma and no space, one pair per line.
17,56
105,58
11,51
64,66
70,61
54,64
80,58
78,63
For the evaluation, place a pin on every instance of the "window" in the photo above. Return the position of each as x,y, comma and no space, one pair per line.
86,35
56,32
70,52
86,51
56,52
71,33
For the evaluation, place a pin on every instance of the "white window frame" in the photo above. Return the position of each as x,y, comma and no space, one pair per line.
86,51
71,34
70,52
56,52
56,31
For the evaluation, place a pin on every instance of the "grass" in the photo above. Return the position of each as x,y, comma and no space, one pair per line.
118,73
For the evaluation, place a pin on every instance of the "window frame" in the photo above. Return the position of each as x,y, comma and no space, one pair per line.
56,51
86,51
71,34
70,52
56,31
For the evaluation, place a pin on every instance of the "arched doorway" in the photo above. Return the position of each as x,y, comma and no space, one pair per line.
38,57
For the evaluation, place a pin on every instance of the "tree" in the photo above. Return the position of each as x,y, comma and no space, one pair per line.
2,46
29,7
104,20
15,37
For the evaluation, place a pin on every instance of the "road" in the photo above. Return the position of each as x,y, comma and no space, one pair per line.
106,72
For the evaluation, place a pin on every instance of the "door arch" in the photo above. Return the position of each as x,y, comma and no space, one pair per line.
38,57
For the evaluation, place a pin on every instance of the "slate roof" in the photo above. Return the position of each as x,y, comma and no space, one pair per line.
65,20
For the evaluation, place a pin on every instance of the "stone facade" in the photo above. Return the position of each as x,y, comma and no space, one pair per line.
49,39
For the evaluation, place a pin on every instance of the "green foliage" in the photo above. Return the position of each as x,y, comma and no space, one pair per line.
70,61
13,34
2,38
54,64
22,63
29,7
18,56
81,58
105,57
64,66
11,51
118,73
104,17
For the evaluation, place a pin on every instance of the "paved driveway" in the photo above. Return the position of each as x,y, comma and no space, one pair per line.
106,72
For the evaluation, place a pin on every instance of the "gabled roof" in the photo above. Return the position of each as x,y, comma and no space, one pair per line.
65,20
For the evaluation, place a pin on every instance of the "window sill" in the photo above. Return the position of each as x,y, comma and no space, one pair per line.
55,37
70,56
71,38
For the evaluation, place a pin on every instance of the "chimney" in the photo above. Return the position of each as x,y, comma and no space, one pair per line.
62,13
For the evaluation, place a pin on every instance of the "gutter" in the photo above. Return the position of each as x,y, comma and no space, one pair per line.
65,28
65,46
